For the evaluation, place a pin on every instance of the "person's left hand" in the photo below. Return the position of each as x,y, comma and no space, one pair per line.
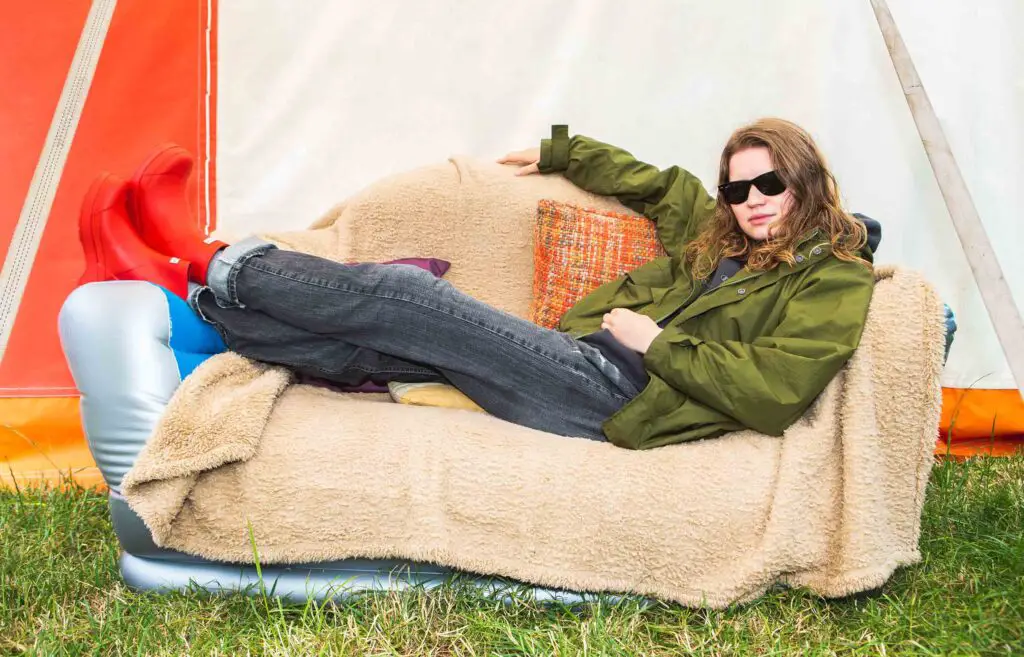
632,329
528,161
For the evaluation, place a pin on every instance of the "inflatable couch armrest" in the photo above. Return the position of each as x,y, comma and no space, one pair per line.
129,344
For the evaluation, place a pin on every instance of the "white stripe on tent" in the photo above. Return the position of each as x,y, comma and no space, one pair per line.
28,234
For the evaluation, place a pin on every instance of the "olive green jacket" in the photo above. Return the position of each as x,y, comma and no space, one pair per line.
753,352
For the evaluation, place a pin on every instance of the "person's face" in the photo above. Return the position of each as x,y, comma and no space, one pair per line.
758,214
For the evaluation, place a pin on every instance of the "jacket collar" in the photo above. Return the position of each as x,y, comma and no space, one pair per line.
811,248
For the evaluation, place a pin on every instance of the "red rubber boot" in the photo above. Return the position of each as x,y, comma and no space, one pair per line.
161,213
113,250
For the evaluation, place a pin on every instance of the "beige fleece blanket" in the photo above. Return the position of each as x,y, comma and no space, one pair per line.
834,505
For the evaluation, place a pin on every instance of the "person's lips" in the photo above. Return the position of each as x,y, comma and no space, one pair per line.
759,219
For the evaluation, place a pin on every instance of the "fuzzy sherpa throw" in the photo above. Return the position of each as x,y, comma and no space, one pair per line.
834,505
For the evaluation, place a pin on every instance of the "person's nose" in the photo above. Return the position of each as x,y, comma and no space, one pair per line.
755,198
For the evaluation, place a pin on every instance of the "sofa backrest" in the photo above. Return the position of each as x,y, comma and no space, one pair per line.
477,215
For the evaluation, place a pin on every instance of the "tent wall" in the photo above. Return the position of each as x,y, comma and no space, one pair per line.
333,96
327,97
301,104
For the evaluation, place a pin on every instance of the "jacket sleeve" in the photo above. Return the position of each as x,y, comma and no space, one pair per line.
767,384
673,198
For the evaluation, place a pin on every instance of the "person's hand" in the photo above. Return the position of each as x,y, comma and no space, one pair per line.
632,329
528,161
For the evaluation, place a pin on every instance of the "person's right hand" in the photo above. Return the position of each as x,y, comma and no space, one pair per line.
528,161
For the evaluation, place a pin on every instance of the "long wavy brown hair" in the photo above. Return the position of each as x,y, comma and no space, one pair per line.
815,204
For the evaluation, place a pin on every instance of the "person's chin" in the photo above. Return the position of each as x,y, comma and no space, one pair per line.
759,233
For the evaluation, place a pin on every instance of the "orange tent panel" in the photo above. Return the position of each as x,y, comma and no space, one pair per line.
36,49
980,422
150,87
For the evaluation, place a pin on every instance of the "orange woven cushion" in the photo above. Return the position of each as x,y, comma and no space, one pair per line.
576,249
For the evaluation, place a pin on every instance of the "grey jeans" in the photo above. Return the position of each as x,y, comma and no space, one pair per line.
367,322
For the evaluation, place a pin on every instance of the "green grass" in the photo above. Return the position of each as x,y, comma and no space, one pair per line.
60,593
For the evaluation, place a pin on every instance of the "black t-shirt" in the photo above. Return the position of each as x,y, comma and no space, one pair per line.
631,363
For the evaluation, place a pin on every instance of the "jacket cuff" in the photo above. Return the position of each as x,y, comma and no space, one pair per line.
554,152
658,357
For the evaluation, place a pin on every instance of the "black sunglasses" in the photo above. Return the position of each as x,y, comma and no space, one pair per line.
736,192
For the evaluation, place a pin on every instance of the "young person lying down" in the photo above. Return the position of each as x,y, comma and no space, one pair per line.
761,300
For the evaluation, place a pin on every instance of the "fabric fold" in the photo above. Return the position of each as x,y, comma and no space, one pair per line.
216,418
